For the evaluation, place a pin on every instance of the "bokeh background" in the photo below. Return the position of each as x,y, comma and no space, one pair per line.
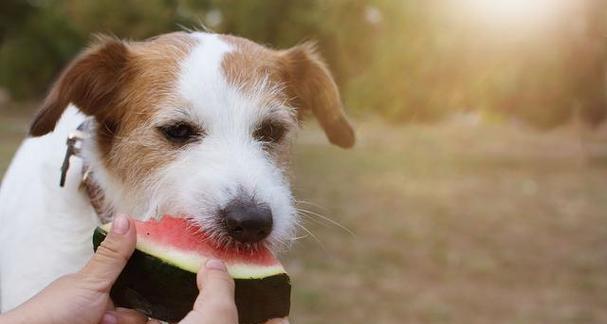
477,192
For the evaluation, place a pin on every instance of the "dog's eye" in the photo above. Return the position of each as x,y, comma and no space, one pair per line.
269,132
179,133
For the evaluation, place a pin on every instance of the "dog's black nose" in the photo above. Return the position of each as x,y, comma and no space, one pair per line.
247,221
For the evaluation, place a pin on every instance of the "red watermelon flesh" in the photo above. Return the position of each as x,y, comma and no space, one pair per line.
181,242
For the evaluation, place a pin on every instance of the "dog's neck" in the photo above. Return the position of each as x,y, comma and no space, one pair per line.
96,195
88,183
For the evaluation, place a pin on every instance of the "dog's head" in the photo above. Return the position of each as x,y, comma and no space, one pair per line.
198,125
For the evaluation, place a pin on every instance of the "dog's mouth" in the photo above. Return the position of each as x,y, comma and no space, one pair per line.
223,242
186,238
218,236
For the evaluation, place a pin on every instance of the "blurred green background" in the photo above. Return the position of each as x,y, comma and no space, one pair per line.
477,192
539,60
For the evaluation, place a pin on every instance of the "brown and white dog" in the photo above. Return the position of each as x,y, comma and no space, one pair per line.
193,124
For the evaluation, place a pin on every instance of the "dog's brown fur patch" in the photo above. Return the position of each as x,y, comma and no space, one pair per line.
154,65
249,62
307,81
91,82
121,85
312,88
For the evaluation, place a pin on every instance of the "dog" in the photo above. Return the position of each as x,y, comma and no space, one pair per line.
187,123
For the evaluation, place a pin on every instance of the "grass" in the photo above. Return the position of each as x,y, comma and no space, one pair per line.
451,224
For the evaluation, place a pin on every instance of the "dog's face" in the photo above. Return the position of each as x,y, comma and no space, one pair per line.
198,125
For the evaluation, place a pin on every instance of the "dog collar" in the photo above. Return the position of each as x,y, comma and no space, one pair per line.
74,144
92,190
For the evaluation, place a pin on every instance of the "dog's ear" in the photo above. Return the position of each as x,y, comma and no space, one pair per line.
91,82
312,87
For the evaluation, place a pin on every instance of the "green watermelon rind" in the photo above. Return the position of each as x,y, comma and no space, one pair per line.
191,261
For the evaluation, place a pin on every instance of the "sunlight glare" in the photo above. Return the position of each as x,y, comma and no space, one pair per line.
512,12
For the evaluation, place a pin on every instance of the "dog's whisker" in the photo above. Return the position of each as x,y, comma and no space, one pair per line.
310,219
297,201
306,217
299,237
322,246
312,214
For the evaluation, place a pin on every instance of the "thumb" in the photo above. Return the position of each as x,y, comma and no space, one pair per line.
215,303
112,254
124,316
278,321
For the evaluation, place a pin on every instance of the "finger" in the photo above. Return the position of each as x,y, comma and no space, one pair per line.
130,316
109,306
278,321
112,254
124,316
214,283
215,302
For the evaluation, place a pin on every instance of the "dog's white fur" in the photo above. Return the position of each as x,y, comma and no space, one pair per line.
45,231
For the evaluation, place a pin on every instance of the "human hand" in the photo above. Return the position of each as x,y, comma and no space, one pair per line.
83,297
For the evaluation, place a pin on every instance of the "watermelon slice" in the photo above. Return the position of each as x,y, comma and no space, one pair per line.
160,277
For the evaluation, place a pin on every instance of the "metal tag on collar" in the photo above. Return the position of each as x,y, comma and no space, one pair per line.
72,149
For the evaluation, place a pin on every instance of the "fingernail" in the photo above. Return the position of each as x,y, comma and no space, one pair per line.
215,265
109,318
120,225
